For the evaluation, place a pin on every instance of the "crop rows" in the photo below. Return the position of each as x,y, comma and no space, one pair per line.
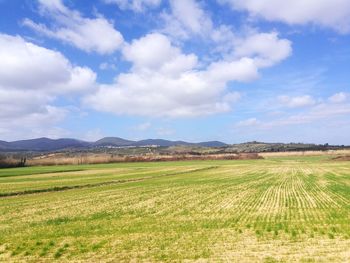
264,210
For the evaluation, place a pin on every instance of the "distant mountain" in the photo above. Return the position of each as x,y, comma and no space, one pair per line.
280,147
113,141
4,145
212,144
160,142
116,141
46,144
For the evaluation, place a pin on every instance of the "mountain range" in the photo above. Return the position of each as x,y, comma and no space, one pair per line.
46,144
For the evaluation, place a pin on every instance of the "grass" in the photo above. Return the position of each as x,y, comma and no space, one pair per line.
272,210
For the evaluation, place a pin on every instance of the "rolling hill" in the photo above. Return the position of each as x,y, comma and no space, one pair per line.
46,144
113,141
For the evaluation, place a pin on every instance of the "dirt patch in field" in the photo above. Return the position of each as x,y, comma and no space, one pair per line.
249,156
342,158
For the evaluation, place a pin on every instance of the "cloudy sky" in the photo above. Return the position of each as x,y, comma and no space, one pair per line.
230,70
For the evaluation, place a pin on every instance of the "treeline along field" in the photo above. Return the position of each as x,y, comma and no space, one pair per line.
272,210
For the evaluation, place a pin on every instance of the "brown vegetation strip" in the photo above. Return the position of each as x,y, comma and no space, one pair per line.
342,158
103,158
71,187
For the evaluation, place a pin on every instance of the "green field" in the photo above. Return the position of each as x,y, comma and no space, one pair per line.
273,210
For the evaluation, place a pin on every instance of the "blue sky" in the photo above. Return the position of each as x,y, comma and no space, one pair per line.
228,70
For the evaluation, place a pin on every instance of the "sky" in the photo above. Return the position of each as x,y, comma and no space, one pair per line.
195,70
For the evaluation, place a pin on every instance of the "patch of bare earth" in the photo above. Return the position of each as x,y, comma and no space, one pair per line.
342,158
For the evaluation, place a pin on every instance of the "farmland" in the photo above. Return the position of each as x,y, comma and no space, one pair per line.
294,208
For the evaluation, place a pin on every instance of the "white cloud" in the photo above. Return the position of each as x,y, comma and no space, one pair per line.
39,68
89,34
296,102
32,123
333,14
135,5
319,113
165,82
31,77
155,52
187,17
243,70
232,97
339,97
190,15
266,48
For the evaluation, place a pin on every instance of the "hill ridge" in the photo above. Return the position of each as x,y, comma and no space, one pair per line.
47,144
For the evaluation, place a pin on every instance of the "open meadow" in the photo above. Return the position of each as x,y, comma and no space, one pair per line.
280,209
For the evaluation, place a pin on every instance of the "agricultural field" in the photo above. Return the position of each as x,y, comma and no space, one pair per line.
290,209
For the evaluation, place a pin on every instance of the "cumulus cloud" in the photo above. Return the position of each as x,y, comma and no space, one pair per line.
165,82
187,18
154,52
31,77
333,14
135,5
266,48
39,68
89,34
296,102
339,97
